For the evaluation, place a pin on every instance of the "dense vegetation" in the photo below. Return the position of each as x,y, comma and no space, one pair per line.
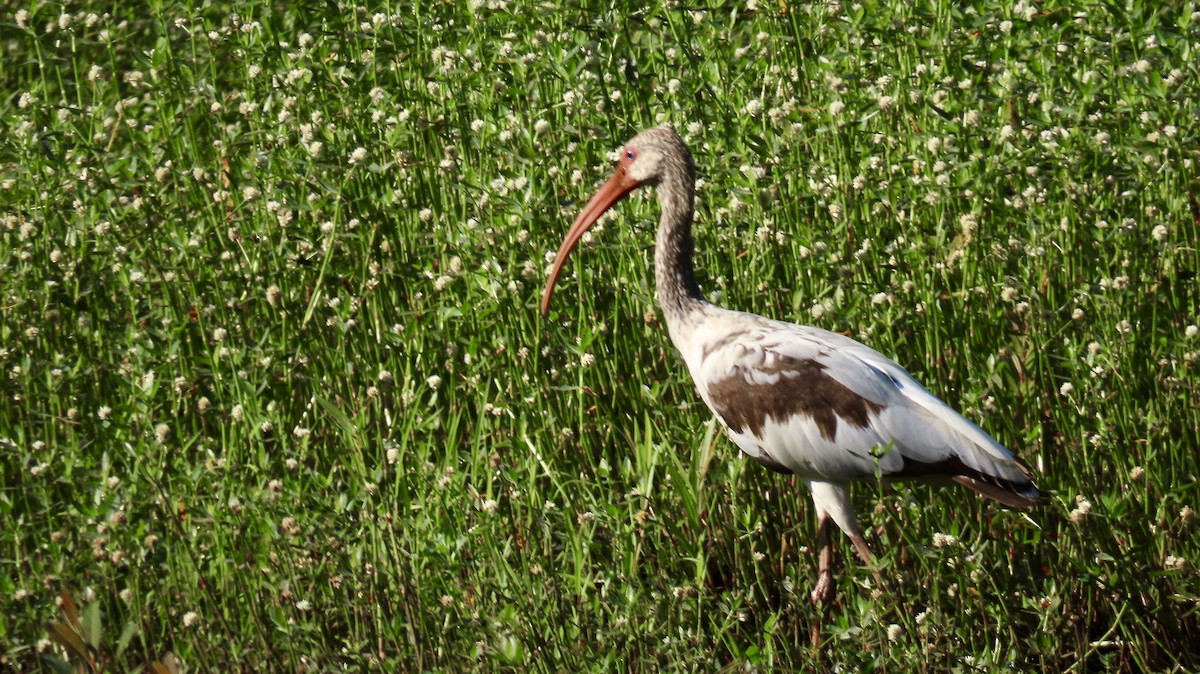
275,393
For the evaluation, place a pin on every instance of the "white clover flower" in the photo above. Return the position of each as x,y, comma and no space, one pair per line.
753,107
541,126
1191,331
941,540
1066,388
359,155
289,526
894,632
161,433
1159,232
836,108
433,381
190,618
1082,508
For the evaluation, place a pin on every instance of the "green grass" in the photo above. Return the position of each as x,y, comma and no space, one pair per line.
269,403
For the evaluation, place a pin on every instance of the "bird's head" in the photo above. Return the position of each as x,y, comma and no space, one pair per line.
644,160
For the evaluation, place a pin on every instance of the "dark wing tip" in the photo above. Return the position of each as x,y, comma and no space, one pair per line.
1015,493
1022,496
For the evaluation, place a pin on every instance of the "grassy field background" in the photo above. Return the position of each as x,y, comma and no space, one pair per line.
276,394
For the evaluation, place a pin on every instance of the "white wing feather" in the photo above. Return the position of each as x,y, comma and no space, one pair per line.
911,425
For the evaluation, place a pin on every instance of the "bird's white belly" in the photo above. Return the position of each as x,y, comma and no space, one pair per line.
797,445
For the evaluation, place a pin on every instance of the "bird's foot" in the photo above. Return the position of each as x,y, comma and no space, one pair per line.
823,592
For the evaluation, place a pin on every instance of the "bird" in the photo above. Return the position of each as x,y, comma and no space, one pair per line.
797,399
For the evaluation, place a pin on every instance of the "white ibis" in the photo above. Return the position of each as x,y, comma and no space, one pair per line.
795,398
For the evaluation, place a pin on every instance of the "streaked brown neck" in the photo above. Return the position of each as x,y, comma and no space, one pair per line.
675,277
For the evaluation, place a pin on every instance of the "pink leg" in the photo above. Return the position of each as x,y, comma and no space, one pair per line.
824,590
864,553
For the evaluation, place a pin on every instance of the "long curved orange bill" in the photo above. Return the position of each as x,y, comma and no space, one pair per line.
613,191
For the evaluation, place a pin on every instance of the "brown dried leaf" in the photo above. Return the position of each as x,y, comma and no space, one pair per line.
70,610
